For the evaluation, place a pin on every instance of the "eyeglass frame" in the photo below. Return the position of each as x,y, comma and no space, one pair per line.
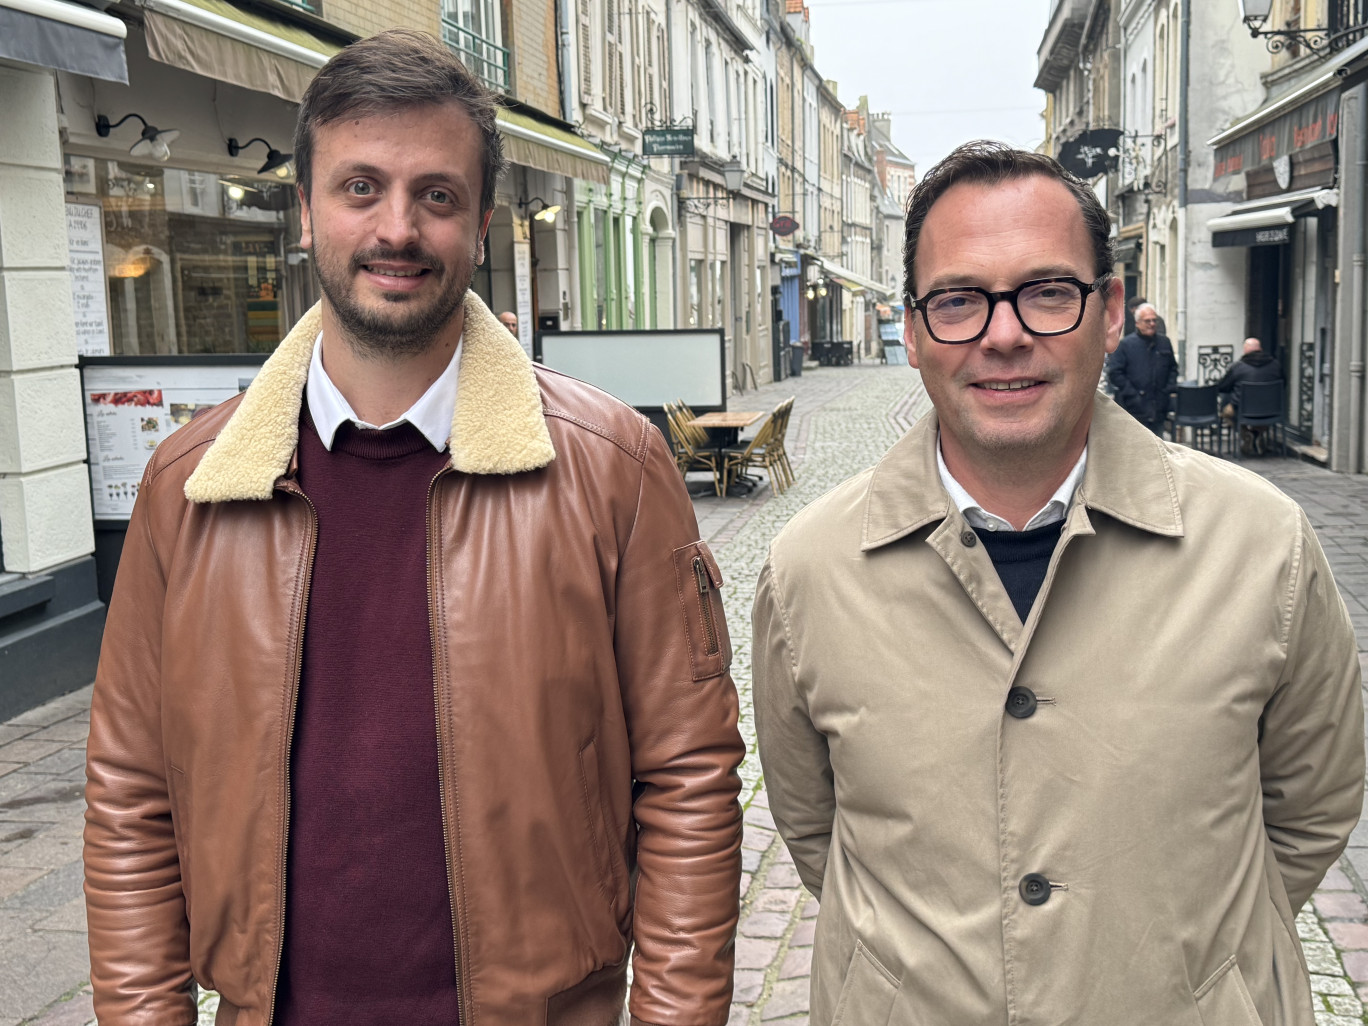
1011,295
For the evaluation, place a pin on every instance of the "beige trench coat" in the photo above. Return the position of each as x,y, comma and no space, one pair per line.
1193,765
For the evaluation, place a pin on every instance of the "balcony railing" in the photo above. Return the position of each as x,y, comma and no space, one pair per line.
485,59
1346,15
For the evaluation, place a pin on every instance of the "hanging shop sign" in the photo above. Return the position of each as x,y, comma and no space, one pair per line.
668,142
1092,153
783,225
1314,122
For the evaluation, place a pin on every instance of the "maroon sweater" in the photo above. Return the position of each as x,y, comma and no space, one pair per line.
368,920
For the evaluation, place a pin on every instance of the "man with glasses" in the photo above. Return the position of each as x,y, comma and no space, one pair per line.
1143,372
1036,759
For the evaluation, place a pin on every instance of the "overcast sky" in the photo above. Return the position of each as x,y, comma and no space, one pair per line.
948,70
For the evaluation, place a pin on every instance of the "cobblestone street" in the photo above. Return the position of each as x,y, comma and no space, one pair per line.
843,420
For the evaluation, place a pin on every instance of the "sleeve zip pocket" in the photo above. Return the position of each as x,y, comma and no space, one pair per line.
698,579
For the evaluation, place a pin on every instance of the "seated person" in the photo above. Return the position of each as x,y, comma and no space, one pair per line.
1254,366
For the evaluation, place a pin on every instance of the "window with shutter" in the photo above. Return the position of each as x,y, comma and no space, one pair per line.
586,43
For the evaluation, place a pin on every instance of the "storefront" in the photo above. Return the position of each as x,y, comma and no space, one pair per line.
1297,198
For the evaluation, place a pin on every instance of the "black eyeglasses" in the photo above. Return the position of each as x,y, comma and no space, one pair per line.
1045,307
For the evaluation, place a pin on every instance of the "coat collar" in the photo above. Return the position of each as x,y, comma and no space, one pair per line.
497,428
1129,477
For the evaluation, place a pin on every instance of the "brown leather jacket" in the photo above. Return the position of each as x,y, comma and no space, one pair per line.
586,718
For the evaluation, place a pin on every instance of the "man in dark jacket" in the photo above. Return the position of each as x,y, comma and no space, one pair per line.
1143,371
1253,367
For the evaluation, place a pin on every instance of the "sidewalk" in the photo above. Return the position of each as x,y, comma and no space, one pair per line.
844,419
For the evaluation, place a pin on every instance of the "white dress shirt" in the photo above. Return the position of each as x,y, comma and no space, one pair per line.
976,516
431,414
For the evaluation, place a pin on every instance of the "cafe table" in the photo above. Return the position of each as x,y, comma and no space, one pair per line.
724,427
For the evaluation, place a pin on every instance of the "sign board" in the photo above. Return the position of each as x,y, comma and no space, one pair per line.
85,259
668,142
1092,153
645,369
783,225
522,292
132,404
1278,235
1315,121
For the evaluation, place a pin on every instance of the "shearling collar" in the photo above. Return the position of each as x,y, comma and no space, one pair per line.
1129,477
498,426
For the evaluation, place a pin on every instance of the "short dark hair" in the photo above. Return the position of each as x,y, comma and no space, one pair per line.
1133,302
984,162
396,70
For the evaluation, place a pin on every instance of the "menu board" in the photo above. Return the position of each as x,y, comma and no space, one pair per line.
85,258
132,408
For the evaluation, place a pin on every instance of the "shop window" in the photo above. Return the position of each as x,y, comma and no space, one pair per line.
193,262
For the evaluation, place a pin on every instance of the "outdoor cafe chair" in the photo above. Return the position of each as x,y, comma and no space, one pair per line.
1196,407
689,456
1261,405
765,451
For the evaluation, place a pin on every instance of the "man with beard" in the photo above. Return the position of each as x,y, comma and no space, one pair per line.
1143,371
414,704
1024,777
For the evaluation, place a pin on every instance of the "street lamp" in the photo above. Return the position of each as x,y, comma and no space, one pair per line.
1255,14
275,160
734,176
154,142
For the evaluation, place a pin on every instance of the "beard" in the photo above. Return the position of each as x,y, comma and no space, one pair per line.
405,325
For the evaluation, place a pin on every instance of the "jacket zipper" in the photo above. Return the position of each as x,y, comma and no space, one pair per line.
293,489
705,603
432,542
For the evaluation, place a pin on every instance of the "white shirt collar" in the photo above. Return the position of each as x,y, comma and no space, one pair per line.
431,414
976,516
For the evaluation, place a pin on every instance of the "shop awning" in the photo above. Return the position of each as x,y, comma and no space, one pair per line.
1295,121
65,36
853,282
250,49
535,144
1268,221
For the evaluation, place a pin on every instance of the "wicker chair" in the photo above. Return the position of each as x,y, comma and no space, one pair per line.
765,451
689,455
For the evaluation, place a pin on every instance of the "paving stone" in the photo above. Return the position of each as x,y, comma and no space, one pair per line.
77,1011
27,750
1346,1006
750,859
755,952
798,962
1330,985
62,761
784,876
1335,880
748,986
1330,1019
789,997
1338,905
806,933
1349,936
764,924
810,909
1309,927
70,917
1321,958
47,849
776,899
740,1016
51,890
12,881
757,838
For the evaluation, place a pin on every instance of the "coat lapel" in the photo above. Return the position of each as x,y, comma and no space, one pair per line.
497,428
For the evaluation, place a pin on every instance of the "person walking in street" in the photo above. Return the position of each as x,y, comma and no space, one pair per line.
1254,366
1133,304
1036,758
1143,371
414,704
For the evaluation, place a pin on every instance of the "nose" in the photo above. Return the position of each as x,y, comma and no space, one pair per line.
1005,330
397,222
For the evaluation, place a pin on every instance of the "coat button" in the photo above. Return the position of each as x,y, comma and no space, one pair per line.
1034,888
968,539
1021,702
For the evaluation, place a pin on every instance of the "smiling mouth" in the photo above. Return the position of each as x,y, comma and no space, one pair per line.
1006,386
388,272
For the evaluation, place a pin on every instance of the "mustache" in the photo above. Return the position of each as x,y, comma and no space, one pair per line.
407,255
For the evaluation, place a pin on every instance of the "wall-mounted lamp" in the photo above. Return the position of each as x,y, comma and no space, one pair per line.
817,290
155,142
545,212
1255,13
275,160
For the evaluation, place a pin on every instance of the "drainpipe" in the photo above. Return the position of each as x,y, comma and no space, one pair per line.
1184,69
567,94
1354,211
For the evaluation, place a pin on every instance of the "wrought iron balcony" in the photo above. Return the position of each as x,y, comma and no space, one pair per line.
485,59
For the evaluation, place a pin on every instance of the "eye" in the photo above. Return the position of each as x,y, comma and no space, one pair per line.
359,187
438,196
